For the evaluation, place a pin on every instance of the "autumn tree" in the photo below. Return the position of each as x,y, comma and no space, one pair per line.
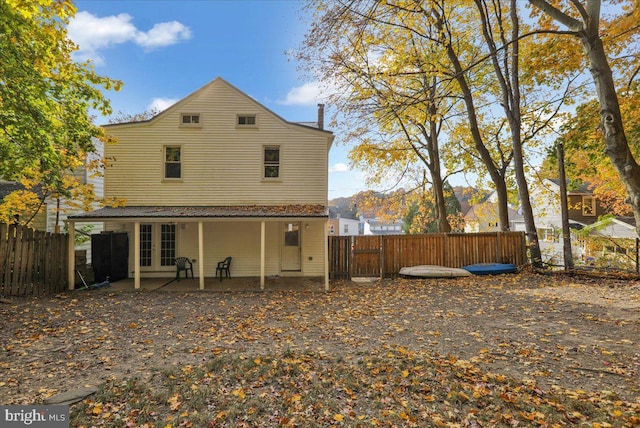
46,131
586,162
122,117
389,89
502,36
581,20
418,217
451,20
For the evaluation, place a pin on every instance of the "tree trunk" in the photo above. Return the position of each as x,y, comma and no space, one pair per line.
509,72
496,177
616,145
564,206
515,123
434,168
440,203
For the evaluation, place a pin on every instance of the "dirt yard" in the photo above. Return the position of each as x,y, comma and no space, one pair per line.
575,332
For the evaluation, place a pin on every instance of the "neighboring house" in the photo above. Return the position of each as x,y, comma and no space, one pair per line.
583,210
344,227
483,217
375,226
219,175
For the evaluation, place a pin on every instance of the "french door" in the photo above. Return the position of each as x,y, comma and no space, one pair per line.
157,246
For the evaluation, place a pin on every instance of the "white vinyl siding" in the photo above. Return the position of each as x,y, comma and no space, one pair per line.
221,163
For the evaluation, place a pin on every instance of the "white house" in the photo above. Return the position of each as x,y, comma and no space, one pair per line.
344,227
219,175
483,217
583,210
375,226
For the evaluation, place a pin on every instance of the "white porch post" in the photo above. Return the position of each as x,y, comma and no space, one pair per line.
262,253
136,255
327,287
71,248
201,254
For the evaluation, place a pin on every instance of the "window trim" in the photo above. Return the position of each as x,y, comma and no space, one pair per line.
264,163
190,124
250,125
164,162
593,206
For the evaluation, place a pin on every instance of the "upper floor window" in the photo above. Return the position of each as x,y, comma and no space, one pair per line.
190,119
271,166
246,120
588,206
172,162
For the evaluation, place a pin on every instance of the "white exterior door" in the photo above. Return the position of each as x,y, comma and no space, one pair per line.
291,247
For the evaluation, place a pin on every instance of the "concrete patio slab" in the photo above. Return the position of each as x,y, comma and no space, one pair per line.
245,284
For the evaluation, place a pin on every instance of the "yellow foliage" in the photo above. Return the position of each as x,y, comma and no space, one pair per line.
22,205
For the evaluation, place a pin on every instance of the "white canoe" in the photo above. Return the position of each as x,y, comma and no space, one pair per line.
433,271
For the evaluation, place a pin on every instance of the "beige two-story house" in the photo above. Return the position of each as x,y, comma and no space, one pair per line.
219,175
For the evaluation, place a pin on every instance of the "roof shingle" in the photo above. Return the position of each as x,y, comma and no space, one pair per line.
240,211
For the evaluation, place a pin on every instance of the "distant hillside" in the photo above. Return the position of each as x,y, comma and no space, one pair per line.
343,207
347,209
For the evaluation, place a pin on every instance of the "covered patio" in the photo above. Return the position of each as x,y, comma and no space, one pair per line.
266,242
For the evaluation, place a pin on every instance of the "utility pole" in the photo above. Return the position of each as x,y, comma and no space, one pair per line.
564,208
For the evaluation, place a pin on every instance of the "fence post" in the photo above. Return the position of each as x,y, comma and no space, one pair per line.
351,242
637,245
381,247
445,249
499,247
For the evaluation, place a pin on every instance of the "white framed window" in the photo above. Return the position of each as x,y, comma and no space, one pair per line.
246,121
172,162
588,206
271,162
190,119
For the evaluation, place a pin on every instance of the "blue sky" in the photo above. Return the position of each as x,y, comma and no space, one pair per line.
164,50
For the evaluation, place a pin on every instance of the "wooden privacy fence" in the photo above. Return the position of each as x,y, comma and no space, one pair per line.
383,256
32,262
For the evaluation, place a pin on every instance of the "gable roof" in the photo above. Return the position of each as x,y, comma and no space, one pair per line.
574,188
8,187
220,81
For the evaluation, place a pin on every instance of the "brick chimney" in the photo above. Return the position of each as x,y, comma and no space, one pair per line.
320,116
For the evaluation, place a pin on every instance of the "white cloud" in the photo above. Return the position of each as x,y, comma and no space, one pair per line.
160,104
307,94
339,167
163,34
92,33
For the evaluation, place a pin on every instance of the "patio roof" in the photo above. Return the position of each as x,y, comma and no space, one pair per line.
240,211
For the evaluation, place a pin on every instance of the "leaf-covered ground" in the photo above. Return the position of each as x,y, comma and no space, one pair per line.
512,350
